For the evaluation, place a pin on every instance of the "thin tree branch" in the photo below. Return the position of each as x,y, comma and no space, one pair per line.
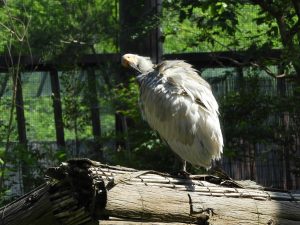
267,7
250,63
15,70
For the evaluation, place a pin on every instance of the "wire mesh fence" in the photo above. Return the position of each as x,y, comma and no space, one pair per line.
266,150
248,154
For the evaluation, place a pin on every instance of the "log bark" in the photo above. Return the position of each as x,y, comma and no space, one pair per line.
29,209
83,191
50,204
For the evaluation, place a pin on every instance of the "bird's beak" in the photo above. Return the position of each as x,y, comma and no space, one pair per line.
128,64
133,66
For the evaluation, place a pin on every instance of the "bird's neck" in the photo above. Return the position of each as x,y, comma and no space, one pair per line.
146,66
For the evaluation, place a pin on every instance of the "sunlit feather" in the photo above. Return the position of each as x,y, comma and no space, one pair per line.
180,106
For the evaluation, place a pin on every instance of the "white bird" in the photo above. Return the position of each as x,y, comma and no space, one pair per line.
180,106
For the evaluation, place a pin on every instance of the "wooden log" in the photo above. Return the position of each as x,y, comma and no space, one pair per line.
50,204
116,221
32,208
83,191
148,203
158,197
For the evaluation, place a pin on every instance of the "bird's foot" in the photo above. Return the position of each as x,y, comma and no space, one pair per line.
181,173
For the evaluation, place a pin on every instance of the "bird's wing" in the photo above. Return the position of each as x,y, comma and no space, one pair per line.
182,74
179,104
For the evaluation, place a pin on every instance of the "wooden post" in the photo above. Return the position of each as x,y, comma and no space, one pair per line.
239,81
133,15
42,83
21,124
95,112
284,120
59,127
155,40
20,110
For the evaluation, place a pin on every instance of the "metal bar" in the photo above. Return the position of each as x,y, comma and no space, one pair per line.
59,126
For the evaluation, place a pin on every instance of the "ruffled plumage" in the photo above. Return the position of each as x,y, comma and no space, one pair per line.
180,106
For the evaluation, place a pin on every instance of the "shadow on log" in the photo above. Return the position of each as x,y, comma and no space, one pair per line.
82,191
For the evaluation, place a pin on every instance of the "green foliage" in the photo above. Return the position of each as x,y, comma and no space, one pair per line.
75,104
217,26
126,98
235,25
51,28
39,118
48,29
25,166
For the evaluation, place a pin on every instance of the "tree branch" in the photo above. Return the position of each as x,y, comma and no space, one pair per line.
267,7
296,4
280,19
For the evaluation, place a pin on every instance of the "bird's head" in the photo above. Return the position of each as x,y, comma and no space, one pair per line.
140,64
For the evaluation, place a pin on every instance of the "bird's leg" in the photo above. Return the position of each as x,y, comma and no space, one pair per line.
184,166
182,172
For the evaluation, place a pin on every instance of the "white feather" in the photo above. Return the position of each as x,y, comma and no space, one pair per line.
179,104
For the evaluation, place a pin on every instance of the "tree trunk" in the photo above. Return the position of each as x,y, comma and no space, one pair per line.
83,191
